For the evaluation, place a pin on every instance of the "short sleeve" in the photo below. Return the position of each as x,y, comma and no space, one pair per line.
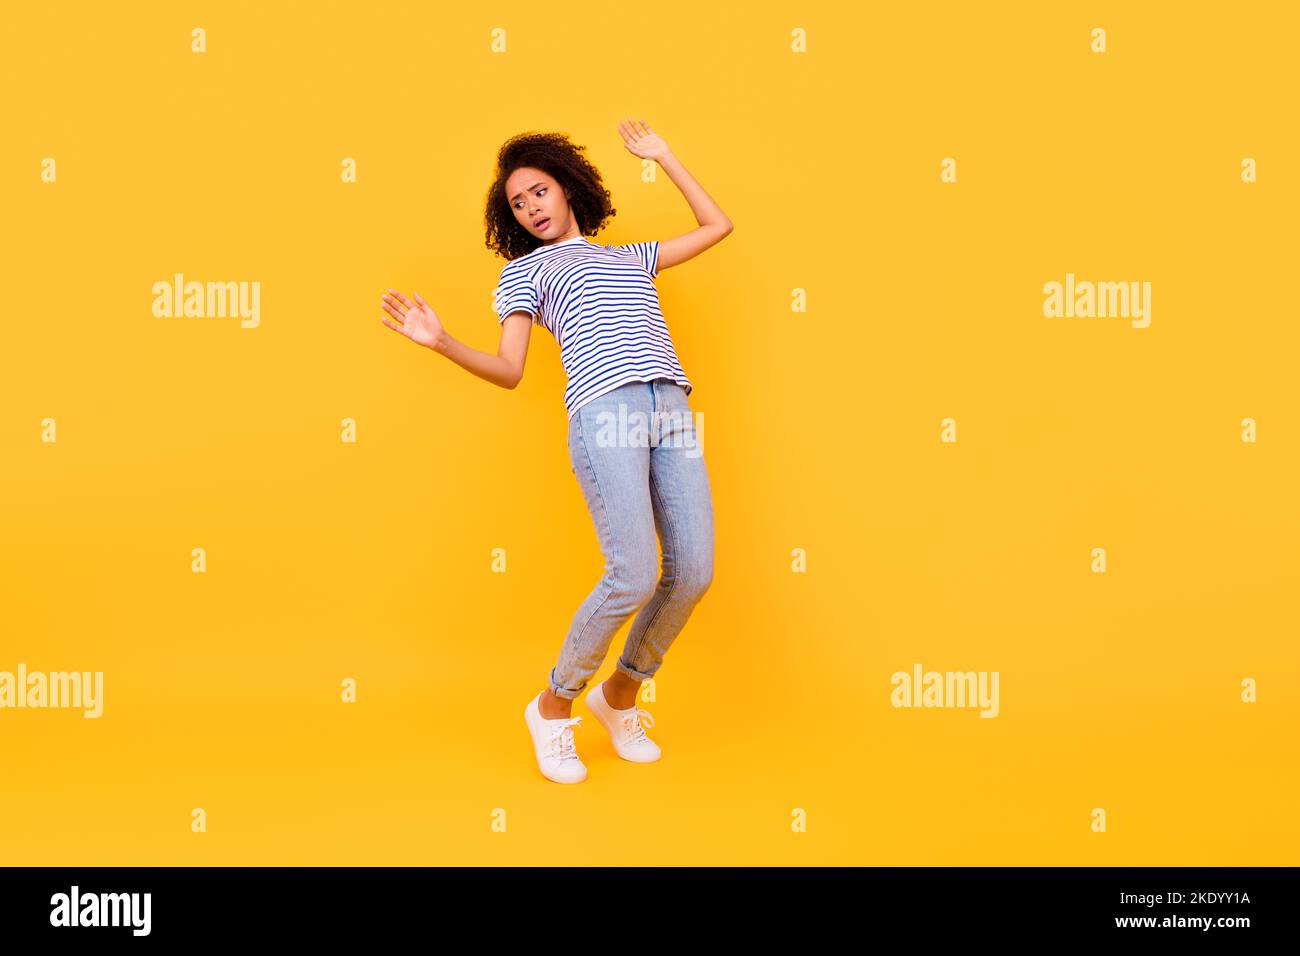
514,292
646,252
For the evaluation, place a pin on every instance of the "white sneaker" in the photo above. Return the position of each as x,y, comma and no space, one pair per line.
557,757
625,728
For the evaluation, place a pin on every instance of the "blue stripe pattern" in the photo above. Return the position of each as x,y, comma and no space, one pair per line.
601,305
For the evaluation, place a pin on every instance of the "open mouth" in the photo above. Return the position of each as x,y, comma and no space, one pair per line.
541,224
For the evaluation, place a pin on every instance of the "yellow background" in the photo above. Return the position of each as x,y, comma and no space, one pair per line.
372,560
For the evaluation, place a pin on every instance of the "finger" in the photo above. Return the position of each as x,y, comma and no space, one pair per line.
403,299
645,127
388,299
423,304
391,325
393,312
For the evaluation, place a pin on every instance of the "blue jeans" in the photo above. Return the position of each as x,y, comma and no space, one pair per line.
637,452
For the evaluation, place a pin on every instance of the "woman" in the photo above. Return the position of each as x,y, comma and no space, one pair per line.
600,303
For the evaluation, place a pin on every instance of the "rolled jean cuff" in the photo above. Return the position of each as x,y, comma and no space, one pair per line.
564,692
632,672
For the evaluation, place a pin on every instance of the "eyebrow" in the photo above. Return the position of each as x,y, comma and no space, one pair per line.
518,194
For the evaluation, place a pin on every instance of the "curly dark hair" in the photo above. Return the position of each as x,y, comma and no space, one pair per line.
556,156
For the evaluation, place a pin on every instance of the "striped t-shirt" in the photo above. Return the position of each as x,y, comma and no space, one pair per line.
601,305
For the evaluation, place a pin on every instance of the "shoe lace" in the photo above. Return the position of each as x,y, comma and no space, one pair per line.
632,724
561,743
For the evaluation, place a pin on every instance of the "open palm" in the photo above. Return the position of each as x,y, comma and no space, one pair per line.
416,320
641,140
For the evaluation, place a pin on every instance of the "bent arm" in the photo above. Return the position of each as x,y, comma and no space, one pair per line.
714,223
505,368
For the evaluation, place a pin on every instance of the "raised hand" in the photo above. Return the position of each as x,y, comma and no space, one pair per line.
416,320
642,141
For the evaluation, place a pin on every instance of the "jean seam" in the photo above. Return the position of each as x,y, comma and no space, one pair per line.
604,515
672,536
595,480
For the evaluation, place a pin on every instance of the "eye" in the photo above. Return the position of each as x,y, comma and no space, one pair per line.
539,192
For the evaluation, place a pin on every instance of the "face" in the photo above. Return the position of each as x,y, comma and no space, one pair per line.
536,198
